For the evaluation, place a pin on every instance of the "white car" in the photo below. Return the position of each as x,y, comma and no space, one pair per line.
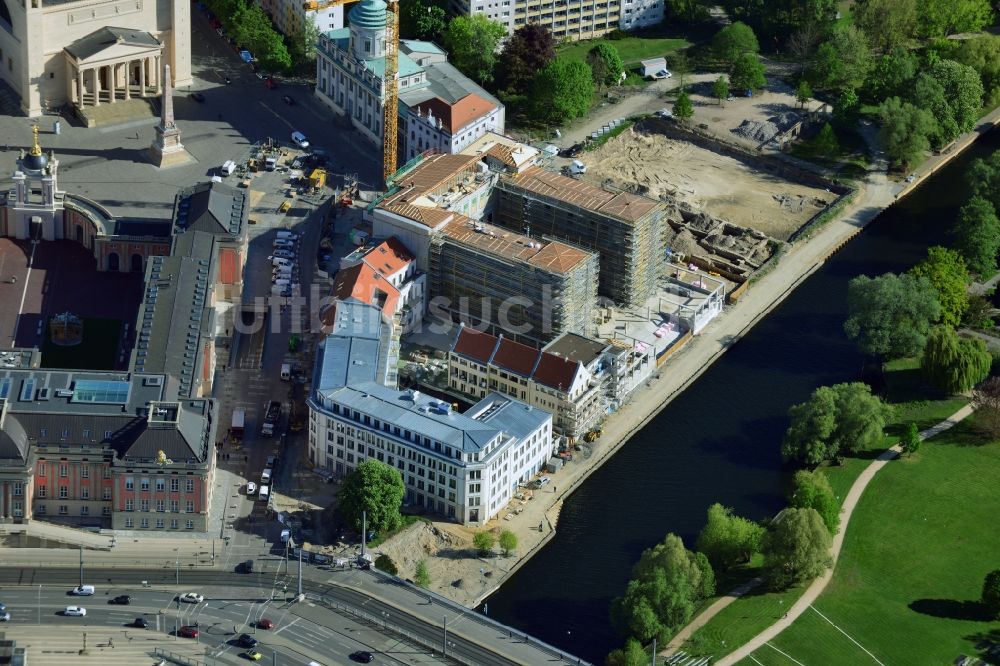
251,488
83,591
300,140
75,611
192,598
284,254
4,617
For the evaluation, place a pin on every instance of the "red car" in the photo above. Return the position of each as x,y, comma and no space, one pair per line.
264,623
187,632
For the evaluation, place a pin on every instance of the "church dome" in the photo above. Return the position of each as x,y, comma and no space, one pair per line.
368,15
33,162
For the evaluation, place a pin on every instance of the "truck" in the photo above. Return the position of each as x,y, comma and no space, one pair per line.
239,421
270,163
271,416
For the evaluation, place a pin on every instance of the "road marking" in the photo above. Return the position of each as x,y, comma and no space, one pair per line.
286,626
276,115
874,658
784,653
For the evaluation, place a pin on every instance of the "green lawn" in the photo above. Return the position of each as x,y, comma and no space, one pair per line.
918,546
749,615
98,351
632,49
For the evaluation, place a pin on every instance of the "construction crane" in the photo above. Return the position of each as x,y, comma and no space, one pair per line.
390,115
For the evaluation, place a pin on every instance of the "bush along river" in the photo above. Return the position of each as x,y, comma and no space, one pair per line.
719,440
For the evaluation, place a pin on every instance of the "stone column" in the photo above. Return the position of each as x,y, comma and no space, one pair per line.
128,79
79,87
97,85
142,78
158,75
112,83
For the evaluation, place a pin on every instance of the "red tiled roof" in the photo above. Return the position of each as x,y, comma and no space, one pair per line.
475,345
363,283
229,266
556,372
389,257
456,116
516,357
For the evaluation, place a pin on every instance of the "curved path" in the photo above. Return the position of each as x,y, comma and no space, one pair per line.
850,502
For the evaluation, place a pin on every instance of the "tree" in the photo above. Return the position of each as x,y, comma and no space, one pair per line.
910,441
632,654
733,41
811,490
528,50
953,364
802,44
891,314
843,418
727,539
605,64
472,43
940,18
563,90
979,314
680,67
377,489
683,108
982,53
660,598
991,593
843,61
825,143
419,19
421,576
986,400
892,73
946,271
508,542
889,24
953,92
983,178
484,541
977,235
803,93
706,587
302,46
845,110
796,548
748,73
384,563
906,130
720,89
774,20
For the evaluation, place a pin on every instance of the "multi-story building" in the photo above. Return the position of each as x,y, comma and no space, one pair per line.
385,274
568,388
292,16
627,230
499,281
567,19
440,109
92,52
463,466
104,449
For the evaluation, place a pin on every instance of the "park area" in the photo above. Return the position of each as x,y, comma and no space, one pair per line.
887,553
632,49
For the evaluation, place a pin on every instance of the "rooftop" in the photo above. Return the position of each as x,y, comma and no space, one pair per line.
551,256
620,205
430,176
104,38
544,367
363,283
388,257
576,348
211,207
351,353
455,116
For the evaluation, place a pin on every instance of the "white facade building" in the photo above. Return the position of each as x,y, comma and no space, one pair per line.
637,14
291,16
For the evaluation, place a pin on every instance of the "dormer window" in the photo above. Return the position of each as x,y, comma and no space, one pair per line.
368,45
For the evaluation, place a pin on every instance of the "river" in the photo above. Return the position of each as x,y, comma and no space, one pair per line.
719,440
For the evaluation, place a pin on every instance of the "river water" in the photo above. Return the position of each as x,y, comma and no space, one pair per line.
719,440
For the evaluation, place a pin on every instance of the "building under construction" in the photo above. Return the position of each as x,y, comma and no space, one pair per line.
626,230
528,289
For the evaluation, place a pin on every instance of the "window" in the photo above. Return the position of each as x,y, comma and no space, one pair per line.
106,494
41,469
160,485
128,505
63,471
41,491
190,525
85,510
174,485
144,505
86,434
160,505
174,506
144,523
129,483
159,523
107,473
43,433
144,483
63,510
128,522
18,488
189,485
40,510
105,511
63,492
85,493
174,524
18,508
190,507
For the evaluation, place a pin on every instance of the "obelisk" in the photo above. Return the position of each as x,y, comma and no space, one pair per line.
167,149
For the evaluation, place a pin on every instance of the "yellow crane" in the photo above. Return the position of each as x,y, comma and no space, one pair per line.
390,115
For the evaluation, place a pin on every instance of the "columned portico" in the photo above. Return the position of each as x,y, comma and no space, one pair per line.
104,71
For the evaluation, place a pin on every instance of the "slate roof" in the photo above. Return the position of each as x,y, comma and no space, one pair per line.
211,207
354,350
106,37
13,440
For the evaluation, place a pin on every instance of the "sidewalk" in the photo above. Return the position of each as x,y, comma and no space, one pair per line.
130,648
850,502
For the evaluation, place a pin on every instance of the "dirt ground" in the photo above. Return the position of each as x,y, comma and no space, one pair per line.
722,186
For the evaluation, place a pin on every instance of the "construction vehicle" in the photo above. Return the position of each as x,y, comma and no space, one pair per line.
391,103
285,205
593,435
317,179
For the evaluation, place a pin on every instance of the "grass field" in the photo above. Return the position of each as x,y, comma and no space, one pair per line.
632,49
98,351
749,615
909,577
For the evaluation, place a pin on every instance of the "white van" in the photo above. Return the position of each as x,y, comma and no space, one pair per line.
265,477
286,243
289,235
577,167
286,371
281,261
228,167
282,282
264,493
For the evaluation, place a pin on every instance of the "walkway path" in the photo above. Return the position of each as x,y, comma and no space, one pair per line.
850,502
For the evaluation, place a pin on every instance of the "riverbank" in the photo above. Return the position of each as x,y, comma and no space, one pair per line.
469,580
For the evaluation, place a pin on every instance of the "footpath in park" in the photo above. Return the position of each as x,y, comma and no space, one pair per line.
817,586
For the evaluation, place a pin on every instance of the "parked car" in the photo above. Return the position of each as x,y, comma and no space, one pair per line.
188,631
362,657
271,460
300,140
83,591
197,96
75,611
284,254
264,623
286,534
140,623
121,599
247,641
251,488
192,598
572,151
288,99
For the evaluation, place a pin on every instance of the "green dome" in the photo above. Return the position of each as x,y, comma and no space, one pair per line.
368,14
